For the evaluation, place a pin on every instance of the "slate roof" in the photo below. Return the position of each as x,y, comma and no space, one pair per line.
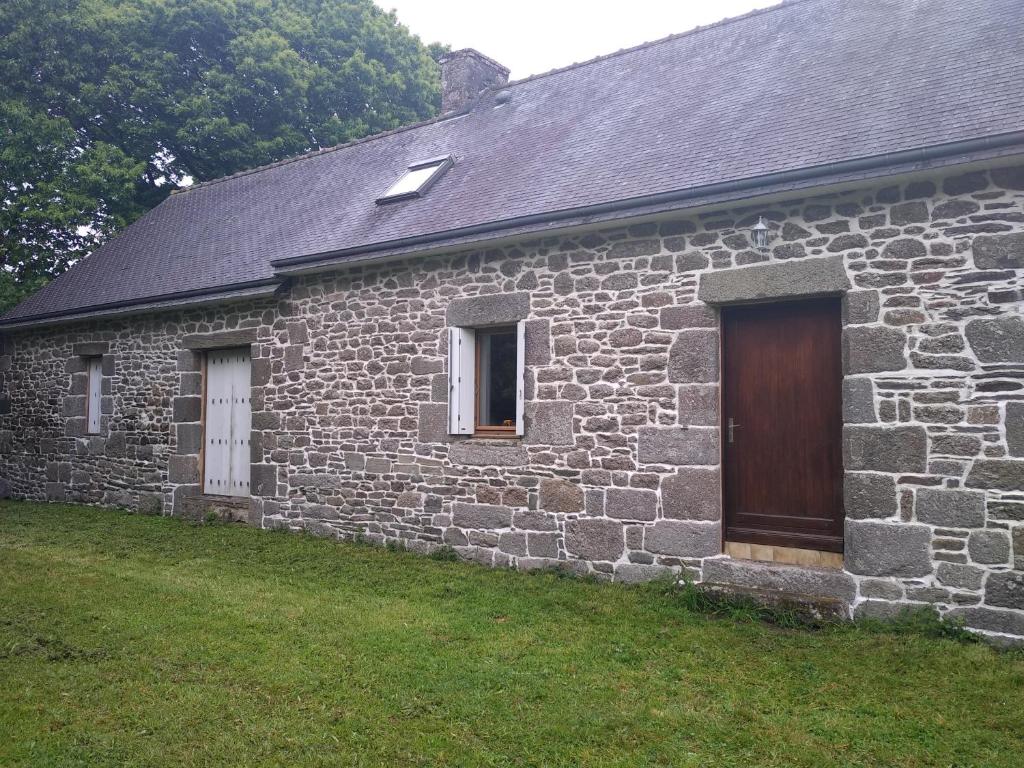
802,84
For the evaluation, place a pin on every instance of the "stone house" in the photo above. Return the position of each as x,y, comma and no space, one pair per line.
743,301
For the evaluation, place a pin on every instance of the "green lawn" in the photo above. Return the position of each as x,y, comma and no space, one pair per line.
128,640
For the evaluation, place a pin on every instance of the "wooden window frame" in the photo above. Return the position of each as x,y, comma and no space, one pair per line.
488,430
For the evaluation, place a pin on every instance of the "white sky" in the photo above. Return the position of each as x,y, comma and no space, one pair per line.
531,36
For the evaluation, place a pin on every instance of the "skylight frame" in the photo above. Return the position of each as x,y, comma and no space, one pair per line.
439,166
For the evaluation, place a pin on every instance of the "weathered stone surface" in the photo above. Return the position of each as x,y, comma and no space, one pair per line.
183,469
480,453
636,573
485,516
887,549
989,619
91,348
688,316
693,493
1005,589
684,538
997,474
1015,428
793,580
678,445
885,449
549,423
950,508
433,422
631,504
698,405
787,279
543,544
867,495
960,576
694,356
538,342
220,340
997,340
512,542
991,547
560,496
860,307
858,401
263,479
880,610
187,409
999,251
873,348
594,539
492,309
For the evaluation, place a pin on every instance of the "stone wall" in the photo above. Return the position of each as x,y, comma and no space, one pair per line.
618,472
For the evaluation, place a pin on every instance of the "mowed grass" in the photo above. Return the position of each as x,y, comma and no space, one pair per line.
140,641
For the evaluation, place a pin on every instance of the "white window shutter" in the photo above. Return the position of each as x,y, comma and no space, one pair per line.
520,376
94,406
461,380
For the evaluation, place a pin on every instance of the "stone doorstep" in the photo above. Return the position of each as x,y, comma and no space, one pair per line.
833,590
228,509
815,606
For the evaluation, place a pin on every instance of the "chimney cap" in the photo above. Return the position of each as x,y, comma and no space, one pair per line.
465,74
464,53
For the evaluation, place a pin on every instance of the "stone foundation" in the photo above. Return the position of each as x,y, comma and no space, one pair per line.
618,473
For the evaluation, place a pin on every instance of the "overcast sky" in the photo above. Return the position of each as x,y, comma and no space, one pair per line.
531,36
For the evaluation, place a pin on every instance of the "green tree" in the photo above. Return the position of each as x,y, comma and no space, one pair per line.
108,105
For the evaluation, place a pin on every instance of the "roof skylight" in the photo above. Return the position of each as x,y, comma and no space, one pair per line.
417,179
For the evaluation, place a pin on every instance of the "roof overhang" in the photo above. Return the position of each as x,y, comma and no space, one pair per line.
832,177
265,289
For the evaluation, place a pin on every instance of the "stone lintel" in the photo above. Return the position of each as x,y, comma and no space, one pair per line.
783,280
492,309
91,348
242,337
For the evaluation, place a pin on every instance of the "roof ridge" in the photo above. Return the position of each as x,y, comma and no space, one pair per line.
469,107
652,43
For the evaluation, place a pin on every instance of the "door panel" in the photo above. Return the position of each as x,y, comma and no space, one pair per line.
781,391
228,417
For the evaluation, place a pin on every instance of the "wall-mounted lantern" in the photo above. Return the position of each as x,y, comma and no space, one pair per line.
759,234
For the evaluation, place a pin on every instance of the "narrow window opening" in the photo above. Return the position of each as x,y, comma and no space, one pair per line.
417,179
94,396
496,381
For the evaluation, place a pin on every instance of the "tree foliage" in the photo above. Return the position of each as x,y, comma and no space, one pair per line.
108,105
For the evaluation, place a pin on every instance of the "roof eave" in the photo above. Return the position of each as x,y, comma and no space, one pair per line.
861,169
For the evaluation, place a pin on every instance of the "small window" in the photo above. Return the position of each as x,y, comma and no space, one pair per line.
417,179
486,381
94,368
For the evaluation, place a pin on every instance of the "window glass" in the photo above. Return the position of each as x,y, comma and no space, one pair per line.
496,378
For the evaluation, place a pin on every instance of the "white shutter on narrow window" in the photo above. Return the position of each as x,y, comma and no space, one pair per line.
241,422
461,380
95,394
520,376
217,453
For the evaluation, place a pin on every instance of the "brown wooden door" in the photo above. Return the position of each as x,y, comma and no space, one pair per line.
781,391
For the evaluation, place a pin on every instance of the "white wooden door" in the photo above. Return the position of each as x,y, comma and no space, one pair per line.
228,419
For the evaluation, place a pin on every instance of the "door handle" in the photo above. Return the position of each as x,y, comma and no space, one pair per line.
731,425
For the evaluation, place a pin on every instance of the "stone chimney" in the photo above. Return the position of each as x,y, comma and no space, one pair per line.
465,75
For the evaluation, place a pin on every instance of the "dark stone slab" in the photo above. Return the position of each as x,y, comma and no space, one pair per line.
991,547
887,549
560,496
997,340
951,508
594,539
997,474
791,579
220,340
874,348
885,449
1005,589
538,342
1015,428
858,401
631,504
432,426
693,493
999,251
678,445
486,453
787,279
868,495
91,348
694,356
684,538
492,309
